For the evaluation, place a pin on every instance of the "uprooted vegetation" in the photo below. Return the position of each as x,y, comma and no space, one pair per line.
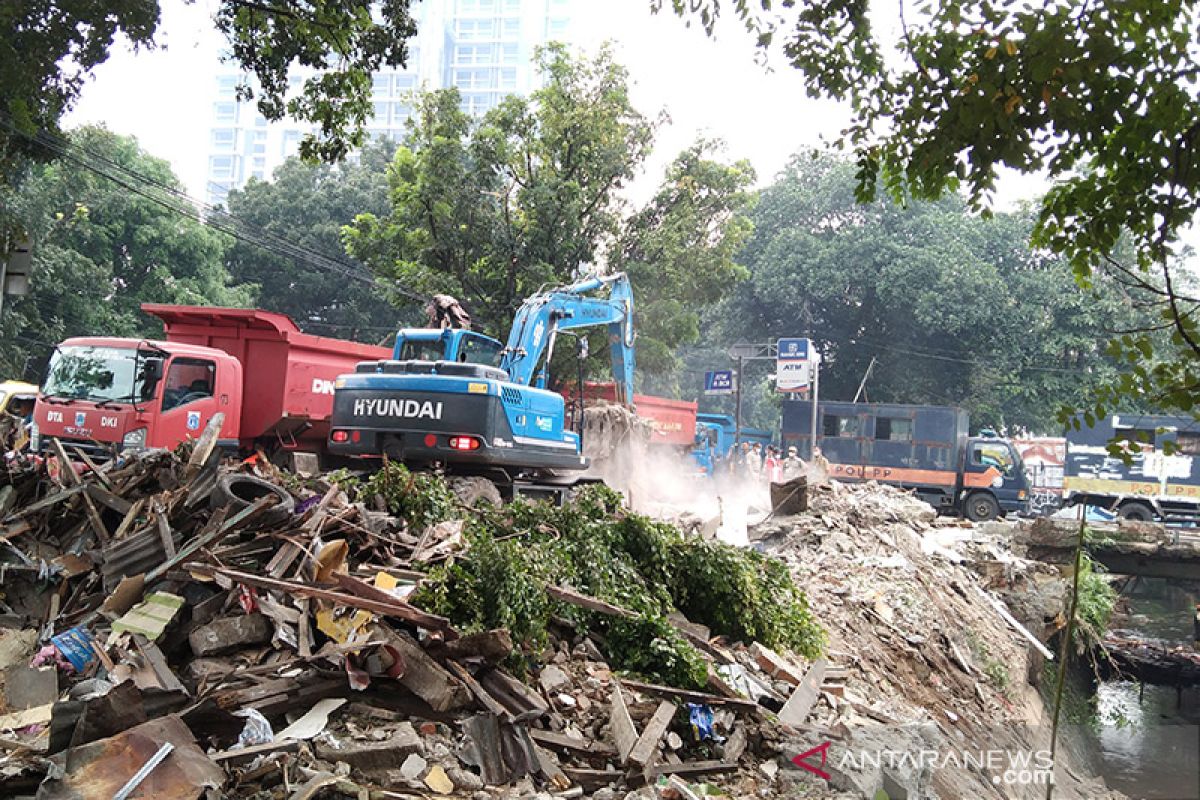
595,547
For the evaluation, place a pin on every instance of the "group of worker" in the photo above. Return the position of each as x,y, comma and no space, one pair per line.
753,462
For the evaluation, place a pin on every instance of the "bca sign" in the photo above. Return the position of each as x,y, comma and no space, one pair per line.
794,364
718,381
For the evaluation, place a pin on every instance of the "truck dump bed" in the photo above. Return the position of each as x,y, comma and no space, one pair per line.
288,375
674,421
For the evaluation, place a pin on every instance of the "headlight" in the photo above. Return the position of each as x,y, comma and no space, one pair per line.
134,440
35,437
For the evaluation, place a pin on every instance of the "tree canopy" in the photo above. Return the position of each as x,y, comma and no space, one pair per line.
307,204
100,251
48,48
954,308
491,210
1101,97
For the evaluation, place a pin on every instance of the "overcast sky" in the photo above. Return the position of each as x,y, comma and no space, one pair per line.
709,86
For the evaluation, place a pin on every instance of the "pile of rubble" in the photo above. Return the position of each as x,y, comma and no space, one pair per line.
917,610
173,626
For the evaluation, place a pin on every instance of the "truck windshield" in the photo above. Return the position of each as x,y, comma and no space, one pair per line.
417,350
94,373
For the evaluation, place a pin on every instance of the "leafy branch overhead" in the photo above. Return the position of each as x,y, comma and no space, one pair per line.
1101,97
48,49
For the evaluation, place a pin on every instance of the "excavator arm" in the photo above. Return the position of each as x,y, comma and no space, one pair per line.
545,314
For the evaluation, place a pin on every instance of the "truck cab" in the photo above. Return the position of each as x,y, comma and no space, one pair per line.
105,394
443,396
434,344
993,478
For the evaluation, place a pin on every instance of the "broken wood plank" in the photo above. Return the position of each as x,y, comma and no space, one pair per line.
688,630
204,447
550,769
512,693
394,607
690,697
592,778
693,768
776,665
91,465
573,744
583,601
67,468
624,735
492,646
424,677
244,516
246,754
107,498
795,710
488,702
46,502
164,530
131,516
652,734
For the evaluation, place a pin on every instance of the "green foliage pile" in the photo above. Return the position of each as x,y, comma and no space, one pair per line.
595,547
421,498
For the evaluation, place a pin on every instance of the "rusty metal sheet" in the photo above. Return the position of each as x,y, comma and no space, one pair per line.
101,768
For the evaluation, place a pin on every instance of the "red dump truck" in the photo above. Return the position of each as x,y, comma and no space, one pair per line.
273,383
673,421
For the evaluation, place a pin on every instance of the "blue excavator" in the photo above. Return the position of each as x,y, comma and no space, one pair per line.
455,400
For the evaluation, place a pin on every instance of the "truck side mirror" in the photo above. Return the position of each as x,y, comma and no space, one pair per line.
154,370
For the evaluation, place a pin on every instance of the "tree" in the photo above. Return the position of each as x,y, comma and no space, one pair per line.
530,195
953,308
308,204
100,251
48,48
1101,97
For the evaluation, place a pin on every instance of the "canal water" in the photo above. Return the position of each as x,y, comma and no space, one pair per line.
1146,739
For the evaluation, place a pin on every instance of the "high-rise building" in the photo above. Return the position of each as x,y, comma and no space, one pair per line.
483,47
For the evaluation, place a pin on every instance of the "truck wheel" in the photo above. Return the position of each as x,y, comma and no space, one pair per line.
238,491
981,507
1139,512
470,490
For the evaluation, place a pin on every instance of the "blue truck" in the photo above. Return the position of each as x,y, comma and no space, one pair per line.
1156,477
716,436
923,448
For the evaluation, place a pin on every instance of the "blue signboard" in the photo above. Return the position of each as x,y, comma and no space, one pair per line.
718,381
793,349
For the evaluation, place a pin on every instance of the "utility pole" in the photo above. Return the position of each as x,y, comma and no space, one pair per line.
863,385
737,403
816,391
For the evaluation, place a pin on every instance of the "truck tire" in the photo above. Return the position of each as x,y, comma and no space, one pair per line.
1137,511
980,507
470,490
238,491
